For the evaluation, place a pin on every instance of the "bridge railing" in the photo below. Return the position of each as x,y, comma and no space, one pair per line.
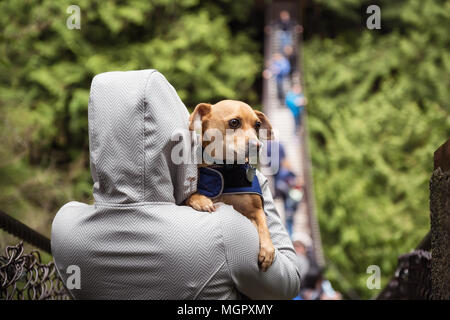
23,276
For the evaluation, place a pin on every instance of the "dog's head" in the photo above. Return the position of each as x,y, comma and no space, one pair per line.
231,126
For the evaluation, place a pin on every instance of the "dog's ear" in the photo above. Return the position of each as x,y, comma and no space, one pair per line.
201,110
265,124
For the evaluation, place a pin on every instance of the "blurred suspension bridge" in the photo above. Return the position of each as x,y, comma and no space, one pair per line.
293,141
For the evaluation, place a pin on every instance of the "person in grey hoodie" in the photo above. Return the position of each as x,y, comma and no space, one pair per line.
138,240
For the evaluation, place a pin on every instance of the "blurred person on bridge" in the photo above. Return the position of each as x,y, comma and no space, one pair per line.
279,67
291,191
296,101
303,247
287,185
290,54
276,155
316,287
286,26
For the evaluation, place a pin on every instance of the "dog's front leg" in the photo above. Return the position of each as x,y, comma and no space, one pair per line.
266,250
200,202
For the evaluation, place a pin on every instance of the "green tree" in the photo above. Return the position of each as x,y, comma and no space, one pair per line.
378,108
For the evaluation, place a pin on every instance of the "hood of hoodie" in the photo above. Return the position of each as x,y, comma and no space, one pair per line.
132,118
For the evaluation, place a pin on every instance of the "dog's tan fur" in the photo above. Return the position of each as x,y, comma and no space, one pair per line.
250,205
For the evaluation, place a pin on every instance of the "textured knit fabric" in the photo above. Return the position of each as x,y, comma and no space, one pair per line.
137,241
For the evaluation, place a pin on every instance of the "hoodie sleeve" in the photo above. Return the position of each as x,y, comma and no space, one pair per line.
282,279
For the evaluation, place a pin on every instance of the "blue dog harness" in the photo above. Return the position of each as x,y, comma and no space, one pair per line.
216,180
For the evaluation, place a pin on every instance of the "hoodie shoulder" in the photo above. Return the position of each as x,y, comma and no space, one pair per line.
73,205
67,217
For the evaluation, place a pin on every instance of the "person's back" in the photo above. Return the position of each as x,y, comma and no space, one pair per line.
177,250
137,241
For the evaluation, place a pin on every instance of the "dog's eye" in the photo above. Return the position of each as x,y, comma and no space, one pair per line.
234,123
257,125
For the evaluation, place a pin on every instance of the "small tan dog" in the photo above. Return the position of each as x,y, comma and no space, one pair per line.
239,126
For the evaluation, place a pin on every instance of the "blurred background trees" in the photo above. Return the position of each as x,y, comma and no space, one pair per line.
378,104
378,109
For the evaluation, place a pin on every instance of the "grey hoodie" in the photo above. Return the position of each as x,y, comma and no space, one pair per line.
137,241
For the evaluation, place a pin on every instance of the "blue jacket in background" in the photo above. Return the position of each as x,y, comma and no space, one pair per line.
291,103
281,67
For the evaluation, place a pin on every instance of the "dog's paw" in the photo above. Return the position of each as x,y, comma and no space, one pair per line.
201,203
266,255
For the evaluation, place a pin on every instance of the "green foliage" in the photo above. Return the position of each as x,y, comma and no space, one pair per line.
46,70
378,105
378,109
